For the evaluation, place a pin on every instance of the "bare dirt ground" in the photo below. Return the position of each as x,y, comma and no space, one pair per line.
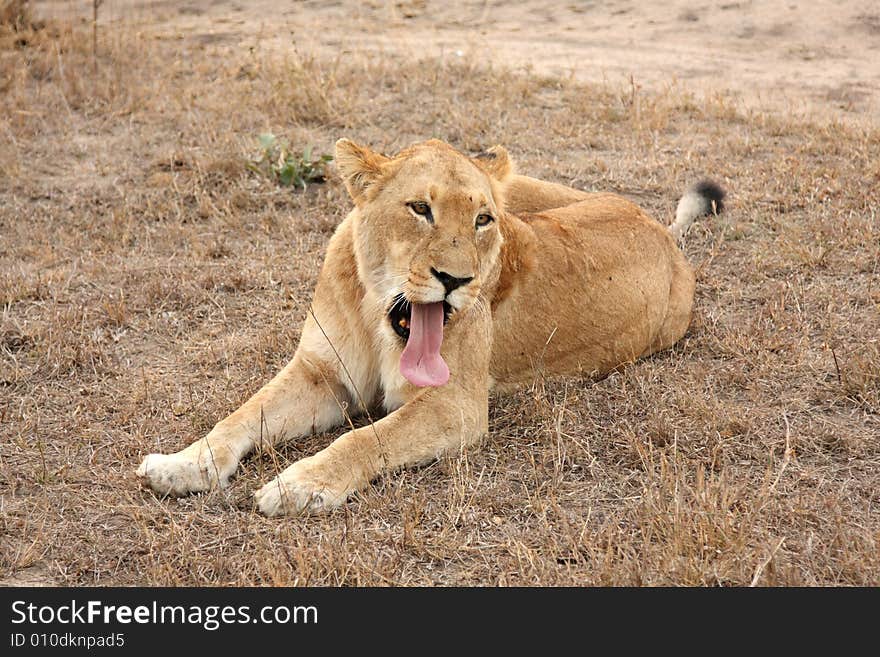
149,283
818,57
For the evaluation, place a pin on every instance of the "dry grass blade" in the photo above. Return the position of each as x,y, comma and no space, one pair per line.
760,569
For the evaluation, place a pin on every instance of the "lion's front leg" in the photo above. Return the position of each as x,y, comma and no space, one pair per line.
307,396
434,423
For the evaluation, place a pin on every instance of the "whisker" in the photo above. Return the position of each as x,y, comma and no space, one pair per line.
399,302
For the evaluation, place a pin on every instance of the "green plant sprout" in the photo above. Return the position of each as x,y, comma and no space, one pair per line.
278,162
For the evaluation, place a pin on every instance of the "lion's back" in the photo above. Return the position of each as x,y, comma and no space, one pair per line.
595,296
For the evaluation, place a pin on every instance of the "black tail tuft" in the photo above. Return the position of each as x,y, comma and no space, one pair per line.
706,197
713,193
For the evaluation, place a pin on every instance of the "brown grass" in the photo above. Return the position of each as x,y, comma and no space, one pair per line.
149,283
16,15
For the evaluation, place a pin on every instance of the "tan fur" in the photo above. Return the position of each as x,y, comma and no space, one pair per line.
564,282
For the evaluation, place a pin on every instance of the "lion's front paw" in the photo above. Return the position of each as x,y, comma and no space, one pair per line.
301,488
181,473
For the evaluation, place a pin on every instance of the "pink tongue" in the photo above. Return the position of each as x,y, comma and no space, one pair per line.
421,362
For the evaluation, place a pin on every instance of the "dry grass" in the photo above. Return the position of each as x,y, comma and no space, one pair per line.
149,283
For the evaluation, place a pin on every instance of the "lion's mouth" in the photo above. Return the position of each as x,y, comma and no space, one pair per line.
421,325
400,315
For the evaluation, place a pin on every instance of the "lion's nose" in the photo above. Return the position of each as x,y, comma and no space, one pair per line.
450,282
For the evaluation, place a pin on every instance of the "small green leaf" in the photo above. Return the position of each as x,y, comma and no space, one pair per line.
285,175
287,167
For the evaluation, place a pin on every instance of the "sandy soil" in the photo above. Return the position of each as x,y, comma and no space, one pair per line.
816,57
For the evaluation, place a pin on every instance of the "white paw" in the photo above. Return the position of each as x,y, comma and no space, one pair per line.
181,473
299,490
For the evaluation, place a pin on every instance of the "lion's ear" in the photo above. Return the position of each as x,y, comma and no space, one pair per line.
496,162
359,166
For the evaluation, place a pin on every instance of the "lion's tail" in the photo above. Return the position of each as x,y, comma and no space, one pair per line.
706,197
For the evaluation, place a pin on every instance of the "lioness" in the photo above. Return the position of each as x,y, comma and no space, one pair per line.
451,276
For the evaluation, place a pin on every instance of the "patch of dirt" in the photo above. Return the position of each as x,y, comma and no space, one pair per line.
30,576
784,55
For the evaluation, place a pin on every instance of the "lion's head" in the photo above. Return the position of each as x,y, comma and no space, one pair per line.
427,239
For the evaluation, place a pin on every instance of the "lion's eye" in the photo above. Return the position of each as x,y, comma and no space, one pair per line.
422,209
484,220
